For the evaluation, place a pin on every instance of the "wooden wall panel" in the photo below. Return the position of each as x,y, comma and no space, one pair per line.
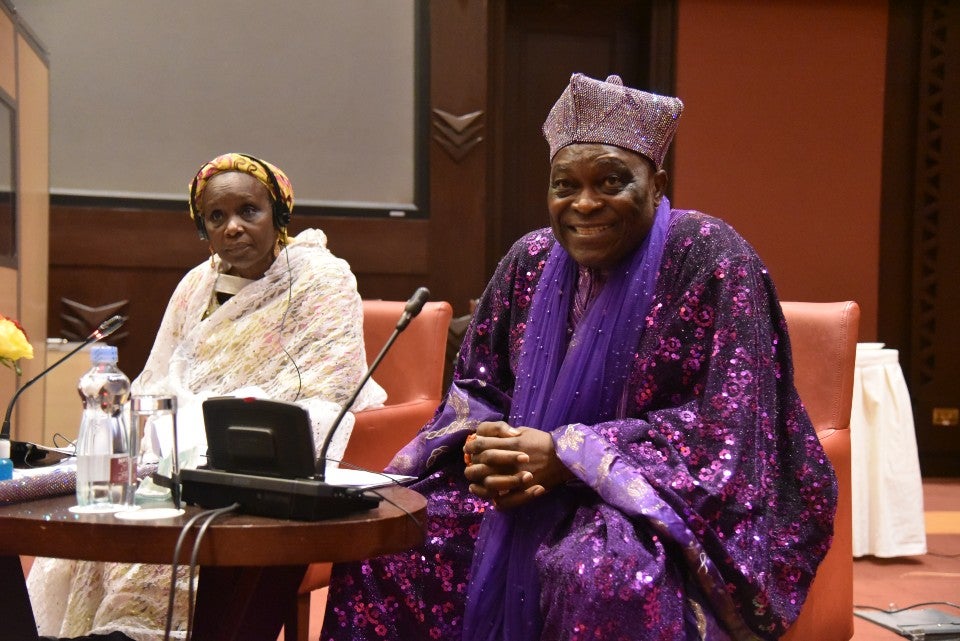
460,211
8,276
33,118
100,255
894,325
33,161
8,307
8,73
541,51
782,137
935,306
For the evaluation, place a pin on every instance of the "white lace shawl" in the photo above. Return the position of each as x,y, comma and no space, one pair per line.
301,324
305,310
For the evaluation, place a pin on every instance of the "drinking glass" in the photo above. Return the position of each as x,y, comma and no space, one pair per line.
156,414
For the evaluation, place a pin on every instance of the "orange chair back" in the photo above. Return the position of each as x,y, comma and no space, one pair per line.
413,368
411,373
823,339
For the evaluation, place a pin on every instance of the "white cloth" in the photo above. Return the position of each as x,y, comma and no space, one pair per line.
887,500
294,335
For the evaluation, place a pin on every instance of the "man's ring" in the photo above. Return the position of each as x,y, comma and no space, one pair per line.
466,456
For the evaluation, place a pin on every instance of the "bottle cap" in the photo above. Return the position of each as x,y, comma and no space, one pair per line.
103,354
4,449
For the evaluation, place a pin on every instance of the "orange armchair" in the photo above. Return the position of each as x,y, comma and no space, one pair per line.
823,337
412,375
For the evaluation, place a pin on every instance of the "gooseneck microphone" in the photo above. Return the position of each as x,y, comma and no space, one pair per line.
410,310
106,328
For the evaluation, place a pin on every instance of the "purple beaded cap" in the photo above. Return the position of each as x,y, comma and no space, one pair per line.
606,112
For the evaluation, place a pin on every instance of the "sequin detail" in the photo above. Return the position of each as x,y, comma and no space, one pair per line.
593,111
702,514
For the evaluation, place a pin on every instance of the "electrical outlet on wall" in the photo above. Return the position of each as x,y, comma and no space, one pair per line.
946,416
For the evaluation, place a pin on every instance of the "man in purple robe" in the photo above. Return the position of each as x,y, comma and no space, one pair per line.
622,453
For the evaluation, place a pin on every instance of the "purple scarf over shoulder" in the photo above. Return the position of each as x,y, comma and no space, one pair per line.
557,384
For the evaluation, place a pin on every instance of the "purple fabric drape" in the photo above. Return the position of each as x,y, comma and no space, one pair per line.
702,510
557,384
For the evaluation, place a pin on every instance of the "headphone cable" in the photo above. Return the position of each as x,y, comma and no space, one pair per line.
283,322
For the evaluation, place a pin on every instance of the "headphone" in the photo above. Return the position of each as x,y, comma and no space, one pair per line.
281,213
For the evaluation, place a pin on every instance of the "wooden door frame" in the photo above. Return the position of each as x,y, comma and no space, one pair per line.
466,48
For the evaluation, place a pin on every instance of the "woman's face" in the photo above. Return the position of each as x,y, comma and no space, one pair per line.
602,201
238,215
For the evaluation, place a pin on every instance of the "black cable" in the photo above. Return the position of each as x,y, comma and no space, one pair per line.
399,507
909,607
352,466
212,515
283,321
31,447
34,447
173,575
374,491
173,566
57,435
360,468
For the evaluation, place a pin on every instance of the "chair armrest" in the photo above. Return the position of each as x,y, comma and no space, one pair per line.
827,614
379,433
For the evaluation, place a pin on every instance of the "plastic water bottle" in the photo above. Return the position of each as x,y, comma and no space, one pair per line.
105,474
6,465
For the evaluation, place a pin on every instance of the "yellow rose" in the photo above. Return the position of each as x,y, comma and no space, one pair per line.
13,344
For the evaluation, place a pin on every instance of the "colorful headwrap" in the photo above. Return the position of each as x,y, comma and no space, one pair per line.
248,165
589,110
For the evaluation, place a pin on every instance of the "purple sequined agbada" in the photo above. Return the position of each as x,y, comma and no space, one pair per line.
703,513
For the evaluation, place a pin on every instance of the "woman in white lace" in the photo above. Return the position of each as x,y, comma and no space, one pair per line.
267,316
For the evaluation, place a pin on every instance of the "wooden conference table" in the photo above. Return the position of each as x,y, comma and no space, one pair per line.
232,553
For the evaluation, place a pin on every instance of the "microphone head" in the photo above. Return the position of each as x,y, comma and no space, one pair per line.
417,301
108,327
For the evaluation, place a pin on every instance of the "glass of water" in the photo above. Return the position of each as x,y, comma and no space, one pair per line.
157,415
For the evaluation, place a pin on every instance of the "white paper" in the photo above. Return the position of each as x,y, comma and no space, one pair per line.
361,478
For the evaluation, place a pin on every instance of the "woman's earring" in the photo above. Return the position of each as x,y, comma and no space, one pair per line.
281,241
213,264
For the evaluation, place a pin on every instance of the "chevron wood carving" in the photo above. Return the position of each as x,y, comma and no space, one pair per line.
80,320
457,134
